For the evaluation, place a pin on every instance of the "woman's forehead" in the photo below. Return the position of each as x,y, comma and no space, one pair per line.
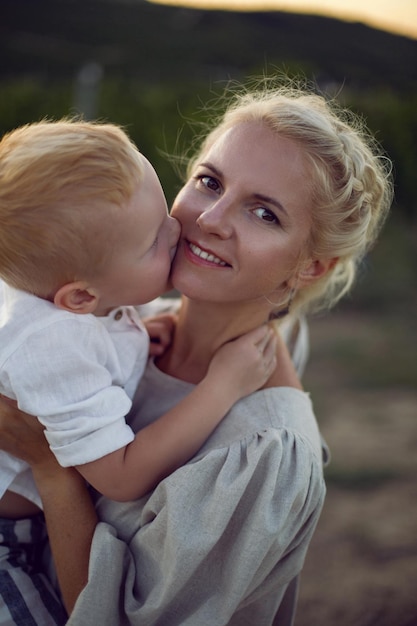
253,139
259,157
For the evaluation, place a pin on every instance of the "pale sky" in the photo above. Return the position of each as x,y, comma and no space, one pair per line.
399,16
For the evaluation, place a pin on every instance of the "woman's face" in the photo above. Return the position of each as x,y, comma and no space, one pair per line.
246,217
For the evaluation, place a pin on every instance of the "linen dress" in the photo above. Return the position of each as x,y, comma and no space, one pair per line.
221,541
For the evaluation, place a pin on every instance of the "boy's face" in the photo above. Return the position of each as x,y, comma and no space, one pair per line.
147,239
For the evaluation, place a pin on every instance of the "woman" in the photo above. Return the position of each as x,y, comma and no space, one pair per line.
282,201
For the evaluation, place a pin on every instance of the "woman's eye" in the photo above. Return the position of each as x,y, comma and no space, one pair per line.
209,182
266,215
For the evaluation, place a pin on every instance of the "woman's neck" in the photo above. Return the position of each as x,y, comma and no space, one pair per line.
201,329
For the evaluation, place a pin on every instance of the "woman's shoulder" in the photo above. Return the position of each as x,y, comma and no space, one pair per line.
281,417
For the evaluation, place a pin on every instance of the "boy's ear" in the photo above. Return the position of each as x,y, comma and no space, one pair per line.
314,270
77,297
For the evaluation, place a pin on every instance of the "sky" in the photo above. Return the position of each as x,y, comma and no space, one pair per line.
398,16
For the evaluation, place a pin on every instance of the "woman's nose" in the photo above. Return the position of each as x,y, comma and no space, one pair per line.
216,220
174,231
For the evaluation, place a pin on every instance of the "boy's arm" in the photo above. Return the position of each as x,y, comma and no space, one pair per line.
238,368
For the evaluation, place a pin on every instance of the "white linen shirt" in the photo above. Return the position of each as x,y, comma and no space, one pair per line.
77,373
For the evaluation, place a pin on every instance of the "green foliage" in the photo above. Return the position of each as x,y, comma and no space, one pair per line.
27,99
393,120
162,119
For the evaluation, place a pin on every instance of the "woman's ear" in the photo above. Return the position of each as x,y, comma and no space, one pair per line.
313,271
77,297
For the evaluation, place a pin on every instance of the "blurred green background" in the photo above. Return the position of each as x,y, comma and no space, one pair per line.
155,69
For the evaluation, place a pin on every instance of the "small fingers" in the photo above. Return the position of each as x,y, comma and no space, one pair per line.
159,341
164,335
267,339
258,335
269,354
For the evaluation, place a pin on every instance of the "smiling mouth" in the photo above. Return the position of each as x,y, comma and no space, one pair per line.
207,256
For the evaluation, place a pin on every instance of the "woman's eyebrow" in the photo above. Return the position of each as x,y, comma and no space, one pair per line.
211,167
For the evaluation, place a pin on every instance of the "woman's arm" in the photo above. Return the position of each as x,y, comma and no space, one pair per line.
69,512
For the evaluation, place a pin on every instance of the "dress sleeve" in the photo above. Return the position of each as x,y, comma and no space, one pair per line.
224,532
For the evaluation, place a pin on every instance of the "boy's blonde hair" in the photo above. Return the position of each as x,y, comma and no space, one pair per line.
62,185
350,178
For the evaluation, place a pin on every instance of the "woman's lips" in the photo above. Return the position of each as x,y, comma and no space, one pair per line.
206,255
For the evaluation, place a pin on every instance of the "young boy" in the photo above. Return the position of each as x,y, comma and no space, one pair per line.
84,235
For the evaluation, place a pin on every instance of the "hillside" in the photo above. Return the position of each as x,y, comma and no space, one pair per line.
52,38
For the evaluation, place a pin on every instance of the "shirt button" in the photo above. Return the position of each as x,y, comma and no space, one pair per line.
118,315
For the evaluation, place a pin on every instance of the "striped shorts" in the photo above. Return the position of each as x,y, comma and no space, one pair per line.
27,597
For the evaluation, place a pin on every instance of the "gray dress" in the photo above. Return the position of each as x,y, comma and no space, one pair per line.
222,540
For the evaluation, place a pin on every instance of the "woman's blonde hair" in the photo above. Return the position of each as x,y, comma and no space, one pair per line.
351,178
61,185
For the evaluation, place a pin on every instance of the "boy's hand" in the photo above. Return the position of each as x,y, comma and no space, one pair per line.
160,329
244,365
284,374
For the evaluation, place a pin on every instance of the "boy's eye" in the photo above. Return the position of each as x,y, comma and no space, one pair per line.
266,215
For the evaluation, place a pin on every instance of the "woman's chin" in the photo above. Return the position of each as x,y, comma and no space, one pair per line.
185,287
192,287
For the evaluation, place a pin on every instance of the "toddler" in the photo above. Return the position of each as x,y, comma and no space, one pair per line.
85,236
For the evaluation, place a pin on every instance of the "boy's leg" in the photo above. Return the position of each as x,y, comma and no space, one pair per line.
27,598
